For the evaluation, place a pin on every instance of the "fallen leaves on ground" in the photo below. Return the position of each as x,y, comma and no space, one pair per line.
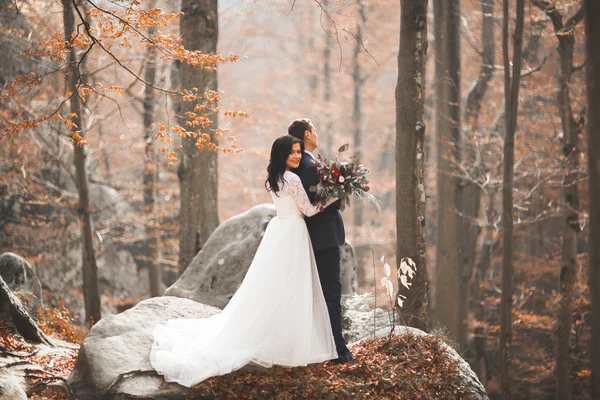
56,367
407,367
11,342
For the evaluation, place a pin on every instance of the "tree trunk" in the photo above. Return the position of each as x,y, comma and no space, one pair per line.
449,307
313,76
16,317
470,195
484,264
151,172
105,153
480,86
357,115
592,33
511,101
198,214
439,87
329,147
91,293
566,46
410,132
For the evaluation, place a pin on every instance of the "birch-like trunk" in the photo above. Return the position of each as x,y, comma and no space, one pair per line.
198,214
410,132
91,294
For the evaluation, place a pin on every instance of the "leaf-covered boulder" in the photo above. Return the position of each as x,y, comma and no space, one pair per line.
361,322
218,269
113,363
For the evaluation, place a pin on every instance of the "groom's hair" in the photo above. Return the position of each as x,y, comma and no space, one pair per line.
298,127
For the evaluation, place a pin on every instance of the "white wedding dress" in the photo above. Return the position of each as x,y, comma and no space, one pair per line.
277,316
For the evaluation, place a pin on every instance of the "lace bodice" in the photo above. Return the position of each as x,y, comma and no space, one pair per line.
292,200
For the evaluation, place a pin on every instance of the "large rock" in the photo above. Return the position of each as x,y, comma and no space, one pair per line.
359,321
218,269
11,387
119,344
19,274
107,202
359,324
115,355
348,269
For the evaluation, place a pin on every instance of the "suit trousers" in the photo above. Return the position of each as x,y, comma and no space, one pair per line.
328,265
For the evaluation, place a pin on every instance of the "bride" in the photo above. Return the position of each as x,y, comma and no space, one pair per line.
278,315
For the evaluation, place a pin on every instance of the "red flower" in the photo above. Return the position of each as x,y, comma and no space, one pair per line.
335,173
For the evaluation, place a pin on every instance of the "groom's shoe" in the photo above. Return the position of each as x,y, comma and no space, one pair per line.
350,361
346,359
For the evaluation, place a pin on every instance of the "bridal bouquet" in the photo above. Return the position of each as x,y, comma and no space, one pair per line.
341,178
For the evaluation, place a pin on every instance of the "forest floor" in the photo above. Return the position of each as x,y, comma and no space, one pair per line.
536,302
403,367
535,306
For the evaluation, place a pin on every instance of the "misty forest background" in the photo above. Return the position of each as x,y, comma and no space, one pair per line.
154,199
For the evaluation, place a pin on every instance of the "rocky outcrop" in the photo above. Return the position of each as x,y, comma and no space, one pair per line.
16,38
218,269
113,361
361,322
19,274
348,269
11,387
120,273
114,357
216,272
26,351
15,318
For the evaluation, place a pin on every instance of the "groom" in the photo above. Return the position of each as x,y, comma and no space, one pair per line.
326,231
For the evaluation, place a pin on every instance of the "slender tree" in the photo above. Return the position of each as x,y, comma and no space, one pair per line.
91,293
470,194
327,24
410,132
512,80
592,33
565,35
449,308
470,198
358,81
151,169
198,214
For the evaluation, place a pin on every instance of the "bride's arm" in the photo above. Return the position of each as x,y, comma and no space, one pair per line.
294,188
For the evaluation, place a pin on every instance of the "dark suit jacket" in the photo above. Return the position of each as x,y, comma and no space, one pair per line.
326,228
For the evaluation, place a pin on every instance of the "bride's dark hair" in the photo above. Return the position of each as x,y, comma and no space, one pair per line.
280,151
